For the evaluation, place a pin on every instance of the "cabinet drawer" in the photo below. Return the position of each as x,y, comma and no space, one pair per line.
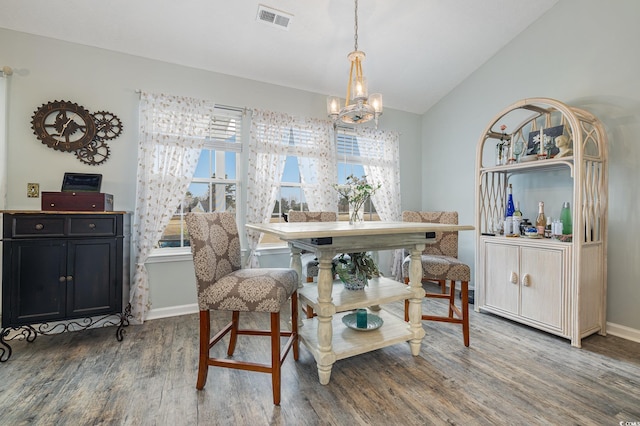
28,226
84,226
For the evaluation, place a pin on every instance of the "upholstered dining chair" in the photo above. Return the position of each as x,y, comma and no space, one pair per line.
440,264
223,286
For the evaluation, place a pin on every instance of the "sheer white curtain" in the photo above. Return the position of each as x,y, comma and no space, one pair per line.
268,148
381,162
172,133
4,108
313,145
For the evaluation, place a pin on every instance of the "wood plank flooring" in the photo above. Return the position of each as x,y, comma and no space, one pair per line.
511,374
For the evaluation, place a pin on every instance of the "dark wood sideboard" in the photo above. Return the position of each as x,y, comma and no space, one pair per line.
62,266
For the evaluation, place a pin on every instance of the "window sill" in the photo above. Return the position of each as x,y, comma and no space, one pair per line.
182,254
178,254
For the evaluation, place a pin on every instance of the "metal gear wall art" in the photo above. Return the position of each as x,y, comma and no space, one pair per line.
94,153
66,135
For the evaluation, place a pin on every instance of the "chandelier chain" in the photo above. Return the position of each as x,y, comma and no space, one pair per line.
355,27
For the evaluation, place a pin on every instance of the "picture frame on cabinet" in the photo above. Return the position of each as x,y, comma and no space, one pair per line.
549,134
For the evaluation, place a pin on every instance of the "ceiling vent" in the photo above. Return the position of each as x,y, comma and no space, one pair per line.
274,17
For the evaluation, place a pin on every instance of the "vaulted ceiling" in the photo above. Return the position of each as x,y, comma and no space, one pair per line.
417,50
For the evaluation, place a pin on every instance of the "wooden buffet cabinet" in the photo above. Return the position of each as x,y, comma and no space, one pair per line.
61,266
555,285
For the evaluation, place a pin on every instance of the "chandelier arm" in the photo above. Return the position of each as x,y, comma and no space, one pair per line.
346,102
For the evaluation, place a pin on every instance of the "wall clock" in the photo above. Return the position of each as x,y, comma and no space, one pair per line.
63,125
68,127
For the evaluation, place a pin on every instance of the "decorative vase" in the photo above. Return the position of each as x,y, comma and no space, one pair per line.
352,280
356,215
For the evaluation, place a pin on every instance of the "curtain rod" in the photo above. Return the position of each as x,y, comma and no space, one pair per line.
227,107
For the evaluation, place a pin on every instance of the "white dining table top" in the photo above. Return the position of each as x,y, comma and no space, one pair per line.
301,230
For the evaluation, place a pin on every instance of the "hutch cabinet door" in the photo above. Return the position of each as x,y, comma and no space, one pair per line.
93,287
541,276
501,262
37,284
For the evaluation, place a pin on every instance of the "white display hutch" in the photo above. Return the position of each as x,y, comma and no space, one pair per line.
556,286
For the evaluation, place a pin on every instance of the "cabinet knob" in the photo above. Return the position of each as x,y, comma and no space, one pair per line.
62,279
526,280
514,278
92,226
69,277
39,226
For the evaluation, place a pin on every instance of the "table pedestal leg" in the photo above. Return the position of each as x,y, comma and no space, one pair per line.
415,303
326,357
296,262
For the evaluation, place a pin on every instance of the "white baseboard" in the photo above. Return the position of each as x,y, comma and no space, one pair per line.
172,311
623,332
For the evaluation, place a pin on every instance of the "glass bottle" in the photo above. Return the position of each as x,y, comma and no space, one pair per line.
547,228
510,208
499,153
541,220
517,211
565,217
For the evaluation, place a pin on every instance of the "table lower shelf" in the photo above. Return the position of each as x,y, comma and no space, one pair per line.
379,291
347,342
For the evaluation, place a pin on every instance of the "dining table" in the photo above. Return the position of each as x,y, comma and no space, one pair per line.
327,335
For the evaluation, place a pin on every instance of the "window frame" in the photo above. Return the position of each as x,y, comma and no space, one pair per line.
221,146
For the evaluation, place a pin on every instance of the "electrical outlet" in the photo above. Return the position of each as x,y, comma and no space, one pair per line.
33,190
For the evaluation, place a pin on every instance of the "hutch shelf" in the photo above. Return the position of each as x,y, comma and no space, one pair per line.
558,286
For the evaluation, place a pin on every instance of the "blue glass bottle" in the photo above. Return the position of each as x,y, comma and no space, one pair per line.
510,207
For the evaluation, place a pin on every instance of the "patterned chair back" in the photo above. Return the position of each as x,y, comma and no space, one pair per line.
215,245
295,216
446,243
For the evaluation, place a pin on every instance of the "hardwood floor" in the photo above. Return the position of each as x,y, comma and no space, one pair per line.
510,374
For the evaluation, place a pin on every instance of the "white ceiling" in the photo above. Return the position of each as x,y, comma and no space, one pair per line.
417,50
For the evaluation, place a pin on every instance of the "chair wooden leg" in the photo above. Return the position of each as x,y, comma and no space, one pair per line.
205,331
406,303
406,310
455,315
309,279
275,357
310,312
464,293
452,297
443,286
235,319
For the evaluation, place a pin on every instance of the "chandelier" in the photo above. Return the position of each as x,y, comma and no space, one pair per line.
359,106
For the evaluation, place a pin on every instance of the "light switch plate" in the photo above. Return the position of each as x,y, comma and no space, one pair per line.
33,190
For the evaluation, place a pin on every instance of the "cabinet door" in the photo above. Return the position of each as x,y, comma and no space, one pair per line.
36,286
93,287
542,295
501,262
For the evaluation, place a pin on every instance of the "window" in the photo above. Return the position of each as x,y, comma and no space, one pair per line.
352,156
214,186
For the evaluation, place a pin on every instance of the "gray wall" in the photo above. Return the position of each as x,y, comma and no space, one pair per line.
583,53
